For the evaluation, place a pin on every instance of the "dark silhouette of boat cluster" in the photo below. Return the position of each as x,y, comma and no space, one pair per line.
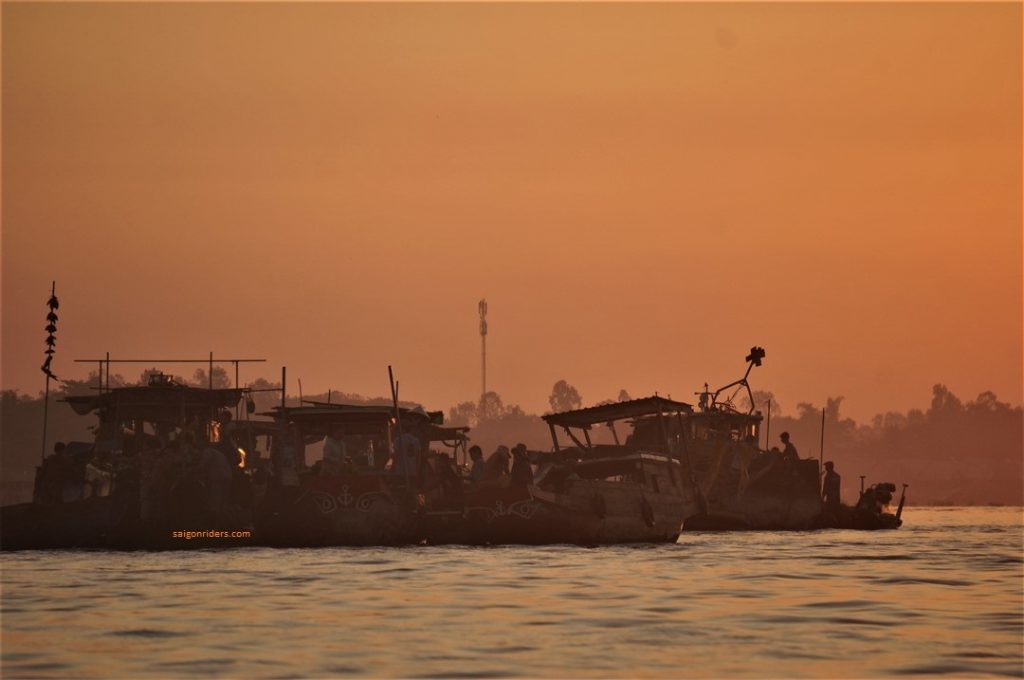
177,466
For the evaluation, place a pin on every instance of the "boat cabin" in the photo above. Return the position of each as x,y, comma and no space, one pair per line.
650,418
362,437
133,419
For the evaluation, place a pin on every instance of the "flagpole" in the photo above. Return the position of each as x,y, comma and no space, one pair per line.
46,408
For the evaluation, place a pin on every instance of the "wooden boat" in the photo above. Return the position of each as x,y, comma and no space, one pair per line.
871,513
744,487
355,495
156,467
586,494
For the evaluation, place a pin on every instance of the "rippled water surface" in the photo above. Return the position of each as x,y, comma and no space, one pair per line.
941,596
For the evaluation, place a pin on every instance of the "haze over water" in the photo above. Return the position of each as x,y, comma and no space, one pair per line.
941,596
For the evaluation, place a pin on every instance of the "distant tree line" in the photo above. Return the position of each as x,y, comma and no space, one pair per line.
954,452
951,453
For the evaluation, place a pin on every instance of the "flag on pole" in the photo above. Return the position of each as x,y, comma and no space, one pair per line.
51,329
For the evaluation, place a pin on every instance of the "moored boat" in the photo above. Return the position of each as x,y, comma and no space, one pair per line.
158,465
745,487
586,493
367,487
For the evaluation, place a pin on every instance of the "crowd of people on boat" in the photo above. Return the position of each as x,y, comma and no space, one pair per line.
496,471
218,465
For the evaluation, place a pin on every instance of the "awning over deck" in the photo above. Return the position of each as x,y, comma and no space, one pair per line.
635,408
157,403
323,418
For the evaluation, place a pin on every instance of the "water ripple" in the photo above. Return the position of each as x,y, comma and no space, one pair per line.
941,597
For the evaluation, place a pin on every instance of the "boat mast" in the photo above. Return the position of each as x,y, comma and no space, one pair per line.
482,309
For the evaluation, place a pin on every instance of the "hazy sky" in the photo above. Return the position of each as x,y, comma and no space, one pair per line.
641,191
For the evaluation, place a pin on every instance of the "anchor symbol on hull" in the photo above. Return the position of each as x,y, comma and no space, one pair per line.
345,497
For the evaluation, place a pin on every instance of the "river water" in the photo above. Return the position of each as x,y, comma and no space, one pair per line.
940,597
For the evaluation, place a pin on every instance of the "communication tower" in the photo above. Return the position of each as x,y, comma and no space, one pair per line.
482,308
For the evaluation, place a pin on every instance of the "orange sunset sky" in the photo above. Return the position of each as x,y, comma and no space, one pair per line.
640,191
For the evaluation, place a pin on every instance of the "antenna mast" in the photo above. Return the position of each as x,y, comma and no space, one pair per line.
482,308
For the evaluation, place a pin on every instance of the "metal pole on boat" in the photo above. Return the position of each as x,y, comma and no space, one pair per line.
821,453
903,499
398,424
284,379
482,308
46,408
768,427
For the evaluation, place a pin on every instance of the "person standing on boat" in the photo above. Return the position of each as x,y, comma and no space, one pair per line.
496,467
522,473
830,487
334,453
406,454
789,451
476,473
284,458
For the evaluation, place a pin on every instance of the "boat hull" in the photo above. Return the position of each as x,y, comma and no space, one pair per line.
587,512
339,511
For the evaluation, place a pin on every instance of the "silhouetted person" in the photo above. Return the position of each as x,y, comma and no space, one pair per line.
522,473
476,473
450,484
334,453
496,467
789,453
406,454
50,476
830,487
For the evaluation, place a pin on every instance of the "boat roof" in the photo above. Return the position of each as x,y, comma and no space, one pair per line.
324,418
641,456
166,402
621,410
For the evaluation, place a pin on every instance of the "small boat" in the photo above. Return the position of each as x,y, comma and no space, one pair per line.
744,487
587,494
871,513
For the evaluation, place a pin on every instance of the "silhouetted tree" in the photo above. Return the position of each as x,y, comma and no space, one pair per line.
220,378
491,407
944,403
761,399
78,388
463,414
564,397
